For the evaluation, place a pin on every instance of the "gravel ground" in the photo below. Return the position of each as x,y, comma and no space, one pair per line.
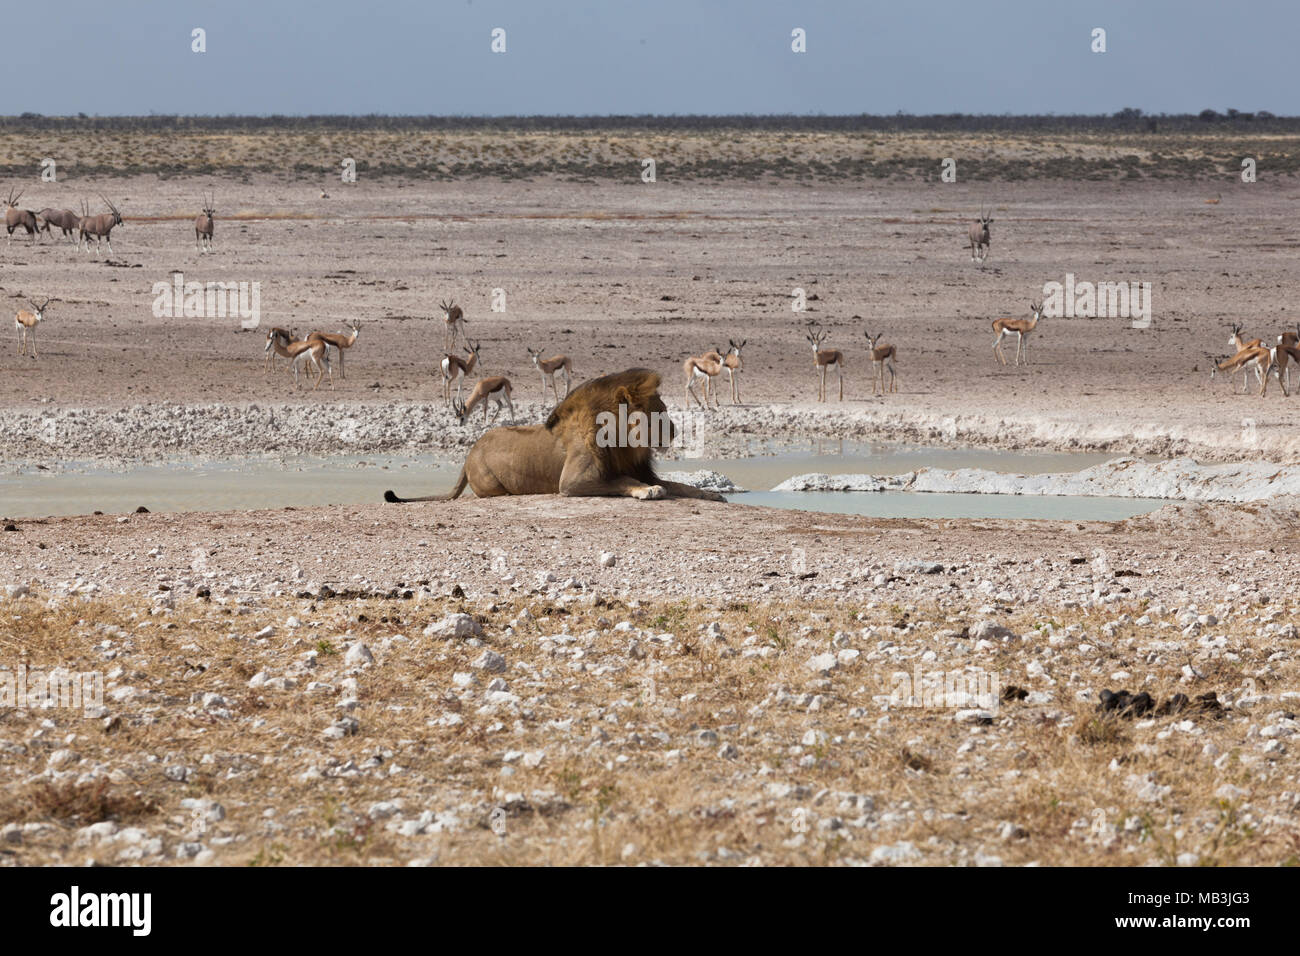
544,680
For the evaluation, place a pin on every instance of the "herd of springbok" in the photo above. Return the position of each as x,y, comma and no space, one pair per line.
1252,355
315,349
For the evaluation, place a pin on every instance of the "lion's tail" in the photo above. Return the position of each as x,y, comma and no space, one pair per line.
461,482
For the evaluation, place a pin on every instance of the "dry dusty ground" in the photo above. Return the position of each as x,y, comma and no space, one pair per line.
624,727
617,275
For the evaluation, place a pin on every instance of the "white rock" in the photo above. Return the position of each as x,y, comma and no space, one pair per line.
490,661
454,625
358,654
822,663
897,853
990,631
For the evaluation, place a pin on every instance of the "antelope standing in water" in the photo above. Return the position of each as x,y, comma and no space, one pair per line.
702,367
456,369
824,359
101,226
495,389
731,362
339,341
203,225
882,357
453,318
548,368
16,218
26,323
979,235
65,219
1020,328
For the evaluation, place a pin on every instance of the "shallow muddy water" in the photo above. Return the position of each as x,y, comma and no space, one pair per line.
343,480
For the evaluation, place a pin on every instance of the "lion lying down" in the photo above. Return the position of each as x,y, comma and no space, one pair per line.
564,457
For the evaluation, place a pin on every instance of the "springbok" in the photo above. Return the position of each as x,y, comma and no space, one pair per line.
731,362
1256,358
277,340
706,367
548,368
1237,342
65,219
456,369
1021,329
979,235
26,323
203,224
314,351
824,359
453,319
339,341
1291,340
495,389
100,226
882,357
16,218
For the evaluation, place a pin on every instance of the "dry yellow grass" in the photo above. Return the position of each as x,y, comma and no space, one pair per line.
683,749
693,153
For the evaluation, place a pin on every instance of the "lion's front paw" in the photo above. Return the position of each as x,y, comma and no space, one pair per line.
650,493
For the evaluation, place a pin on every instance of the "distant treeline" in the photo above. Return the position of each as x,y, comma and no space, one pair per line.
1130,120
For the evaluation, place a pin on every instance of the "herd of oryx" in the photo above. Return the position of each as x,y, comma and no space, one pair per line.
85,226
700,370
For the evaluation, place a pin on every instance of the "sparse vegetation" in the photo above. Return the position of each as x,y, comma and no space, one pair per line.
588,766
1125,146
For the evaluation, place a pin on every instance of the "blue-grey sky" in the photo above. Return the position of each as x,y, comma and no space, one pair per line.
598,57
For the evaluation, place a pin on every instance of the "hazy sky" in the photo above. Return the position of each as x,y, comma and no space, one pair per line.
647,56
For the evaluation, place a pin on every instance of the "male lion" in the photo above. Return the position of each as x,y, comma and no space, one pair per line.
563,455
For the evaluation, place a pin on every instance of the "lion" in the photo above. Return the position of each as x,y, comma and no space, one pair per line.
571,453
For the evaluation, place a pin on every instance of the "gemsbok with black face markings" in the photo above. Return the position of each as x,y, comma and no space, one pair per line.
100,226
16,218
203,227
64,219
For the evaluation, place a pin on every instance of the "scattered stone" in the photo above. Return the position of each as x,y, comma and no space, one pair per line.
455,625
490,661
822,663
358,655
897,853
